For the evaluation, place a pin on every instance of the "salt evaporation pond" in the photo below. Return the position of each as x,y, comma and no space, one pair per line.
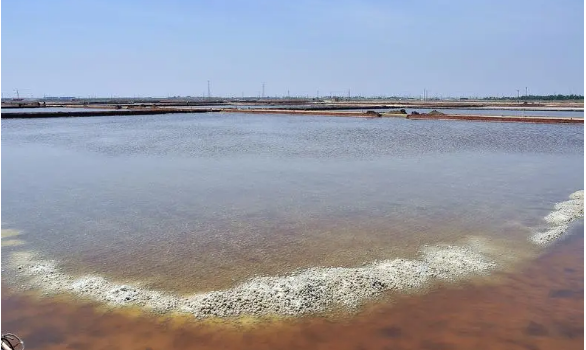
199,203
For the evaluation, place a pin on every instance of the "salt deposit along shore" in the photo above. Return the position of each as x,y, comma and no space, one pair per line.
560,218
307,291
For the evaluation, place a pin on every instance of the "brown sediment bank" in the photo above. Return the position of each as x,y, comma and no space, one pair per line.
304,112
144,111
90,113
540,307
428,116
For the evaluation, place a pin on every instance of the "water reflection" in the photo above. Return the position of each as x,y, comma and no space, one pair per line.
200,202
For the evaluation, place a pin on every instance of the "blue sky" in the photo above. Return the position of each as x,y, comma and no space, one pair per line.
370,47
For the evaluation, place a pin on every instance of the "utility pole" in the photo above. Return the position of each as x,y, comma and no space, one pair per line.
288,94
317,94
518,96
263,90
17,94
526,94
348,93
209,93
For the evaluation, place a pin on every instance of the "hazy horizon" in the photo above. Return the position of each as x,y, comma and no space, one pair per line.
305,48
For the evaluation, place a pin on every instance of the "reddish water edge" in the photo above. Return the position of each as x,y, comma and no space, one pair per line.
540,307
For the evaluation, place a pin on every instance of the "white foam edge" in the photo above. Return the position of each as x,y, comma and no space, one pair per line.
307,291
560,218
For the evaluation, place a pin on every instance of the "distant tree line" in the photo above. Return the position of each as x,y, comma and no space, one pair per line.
539,97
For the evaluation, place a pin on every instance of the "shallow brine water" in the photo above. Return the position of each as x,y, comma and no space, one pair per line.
194,203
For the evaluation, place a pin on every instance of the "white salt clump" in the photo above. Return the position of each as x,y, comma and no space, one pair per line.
160,302
309,291
578,195
43,273
452,262
88,284
122,295
560,219
47,267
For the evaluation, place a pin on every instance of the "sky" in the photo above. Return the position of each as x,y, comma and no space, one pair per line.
452,48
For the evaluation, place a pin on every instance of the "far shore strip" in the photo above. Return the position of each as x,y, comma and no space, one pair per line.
315,112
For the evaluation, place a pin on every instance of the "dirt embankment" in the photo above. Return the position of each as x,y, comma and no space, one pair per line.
305,112
90,113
